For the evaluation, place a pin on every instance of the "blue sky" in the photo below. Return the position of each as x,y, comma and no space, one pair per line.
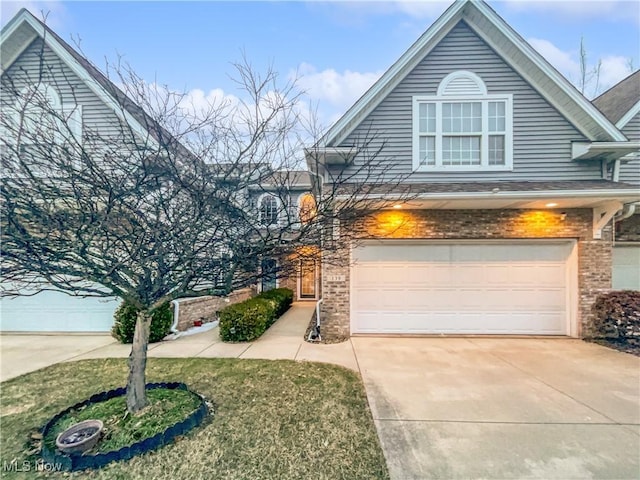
338,47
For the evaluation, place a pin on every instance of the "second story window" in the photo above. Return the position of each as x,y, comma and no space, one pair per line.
42,118
306,208
268,205
463,127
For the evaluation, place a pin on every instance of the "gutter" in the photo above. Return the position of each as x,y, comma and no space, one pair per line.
496,193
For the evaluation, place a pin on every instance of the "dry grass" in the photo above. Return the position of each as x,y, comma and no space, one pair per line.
273,419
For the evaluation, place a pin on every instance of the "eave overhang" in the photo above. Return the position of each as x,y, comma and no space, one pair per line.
608,151
330,155
497,199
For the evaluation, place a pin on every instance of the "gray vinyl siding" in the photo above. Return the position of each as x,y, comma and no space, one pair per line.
72,90
630,171
541,135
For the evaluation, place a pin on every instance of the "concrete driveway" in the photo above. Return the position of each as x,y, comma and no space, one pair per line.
470,408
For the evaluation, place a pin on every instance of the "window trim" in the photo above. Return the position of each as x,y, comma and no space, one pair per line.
299,205
71,114
484,160
278,208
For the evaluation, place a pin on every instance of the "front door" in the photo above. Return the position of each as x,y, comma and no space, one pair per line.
307,281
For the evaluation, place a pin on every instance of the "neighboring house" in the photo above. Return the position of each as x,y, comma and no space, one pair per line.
86,92
621,105
503,221
288,200
93,103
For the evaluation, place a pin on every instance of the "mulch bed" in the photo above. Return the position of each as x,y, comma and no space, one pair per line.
631,348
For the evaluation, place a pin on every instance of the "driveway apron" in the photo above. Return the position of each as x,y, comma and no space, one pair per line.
471,408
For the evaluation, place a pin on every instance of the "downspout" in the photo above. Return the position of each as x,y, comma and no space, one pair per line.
628,210
616,171
176,316
314,334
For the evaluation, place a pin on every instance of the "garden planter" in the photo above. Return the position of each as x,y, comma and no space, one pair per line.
80,437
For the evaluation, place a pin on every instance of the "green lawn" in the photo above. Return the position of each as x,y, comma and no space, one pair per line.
272,420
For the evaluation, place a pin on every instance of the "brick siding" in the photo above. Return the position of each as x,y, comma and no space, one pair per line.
594,256
206,308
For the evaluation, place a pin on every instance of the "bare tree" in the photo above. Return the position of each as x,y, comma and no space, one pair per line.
589,76
158,200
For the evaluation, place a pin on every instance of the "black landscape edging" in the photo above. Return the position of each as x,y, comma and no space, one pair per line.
81,462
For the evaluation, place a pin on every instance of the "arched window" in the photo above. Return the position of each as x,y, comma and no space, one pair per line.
463,127
306,207
268,205
40,117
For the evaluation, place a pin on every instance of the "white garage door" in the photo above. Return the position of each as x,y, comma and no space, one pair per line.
462,288
626,267
56,312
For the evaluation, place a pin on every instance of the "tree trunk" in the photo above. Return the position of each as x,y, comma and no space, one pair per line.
136,395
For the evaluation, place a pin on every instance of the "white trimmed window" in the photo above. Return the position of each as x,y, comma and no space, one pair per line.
306,208
462,127
268,209
42,118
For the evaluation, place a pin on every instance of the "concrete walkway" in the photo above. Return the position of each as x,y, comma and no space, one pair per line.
21,354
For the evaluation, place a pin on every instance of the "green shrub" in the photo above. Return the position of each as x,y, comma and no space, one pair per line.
282,296
246,321
125,322
617,316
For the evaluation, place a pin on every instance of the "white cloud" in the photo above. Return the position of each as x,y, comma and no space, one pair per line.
50,11
334,92
566,62
356,12
572,9
612,68
421,9
197,101
340,89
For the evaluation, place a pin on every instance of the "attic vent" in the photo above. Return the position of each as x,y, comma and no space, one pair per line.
462,83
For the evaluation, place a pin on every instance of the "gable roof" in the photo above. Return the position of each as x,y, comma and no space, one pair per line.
24,28
523,58
622,101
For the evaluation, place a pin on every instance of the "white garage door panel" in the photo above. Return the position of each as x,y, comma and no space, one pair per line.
626,267
504,288
56,312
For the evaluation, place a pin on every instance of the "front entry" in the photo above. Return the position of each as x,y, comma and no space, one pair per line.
307,280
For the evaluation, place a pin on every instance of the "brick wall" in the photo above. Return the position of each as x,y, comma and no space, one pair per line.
205,308
628,230
594,256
